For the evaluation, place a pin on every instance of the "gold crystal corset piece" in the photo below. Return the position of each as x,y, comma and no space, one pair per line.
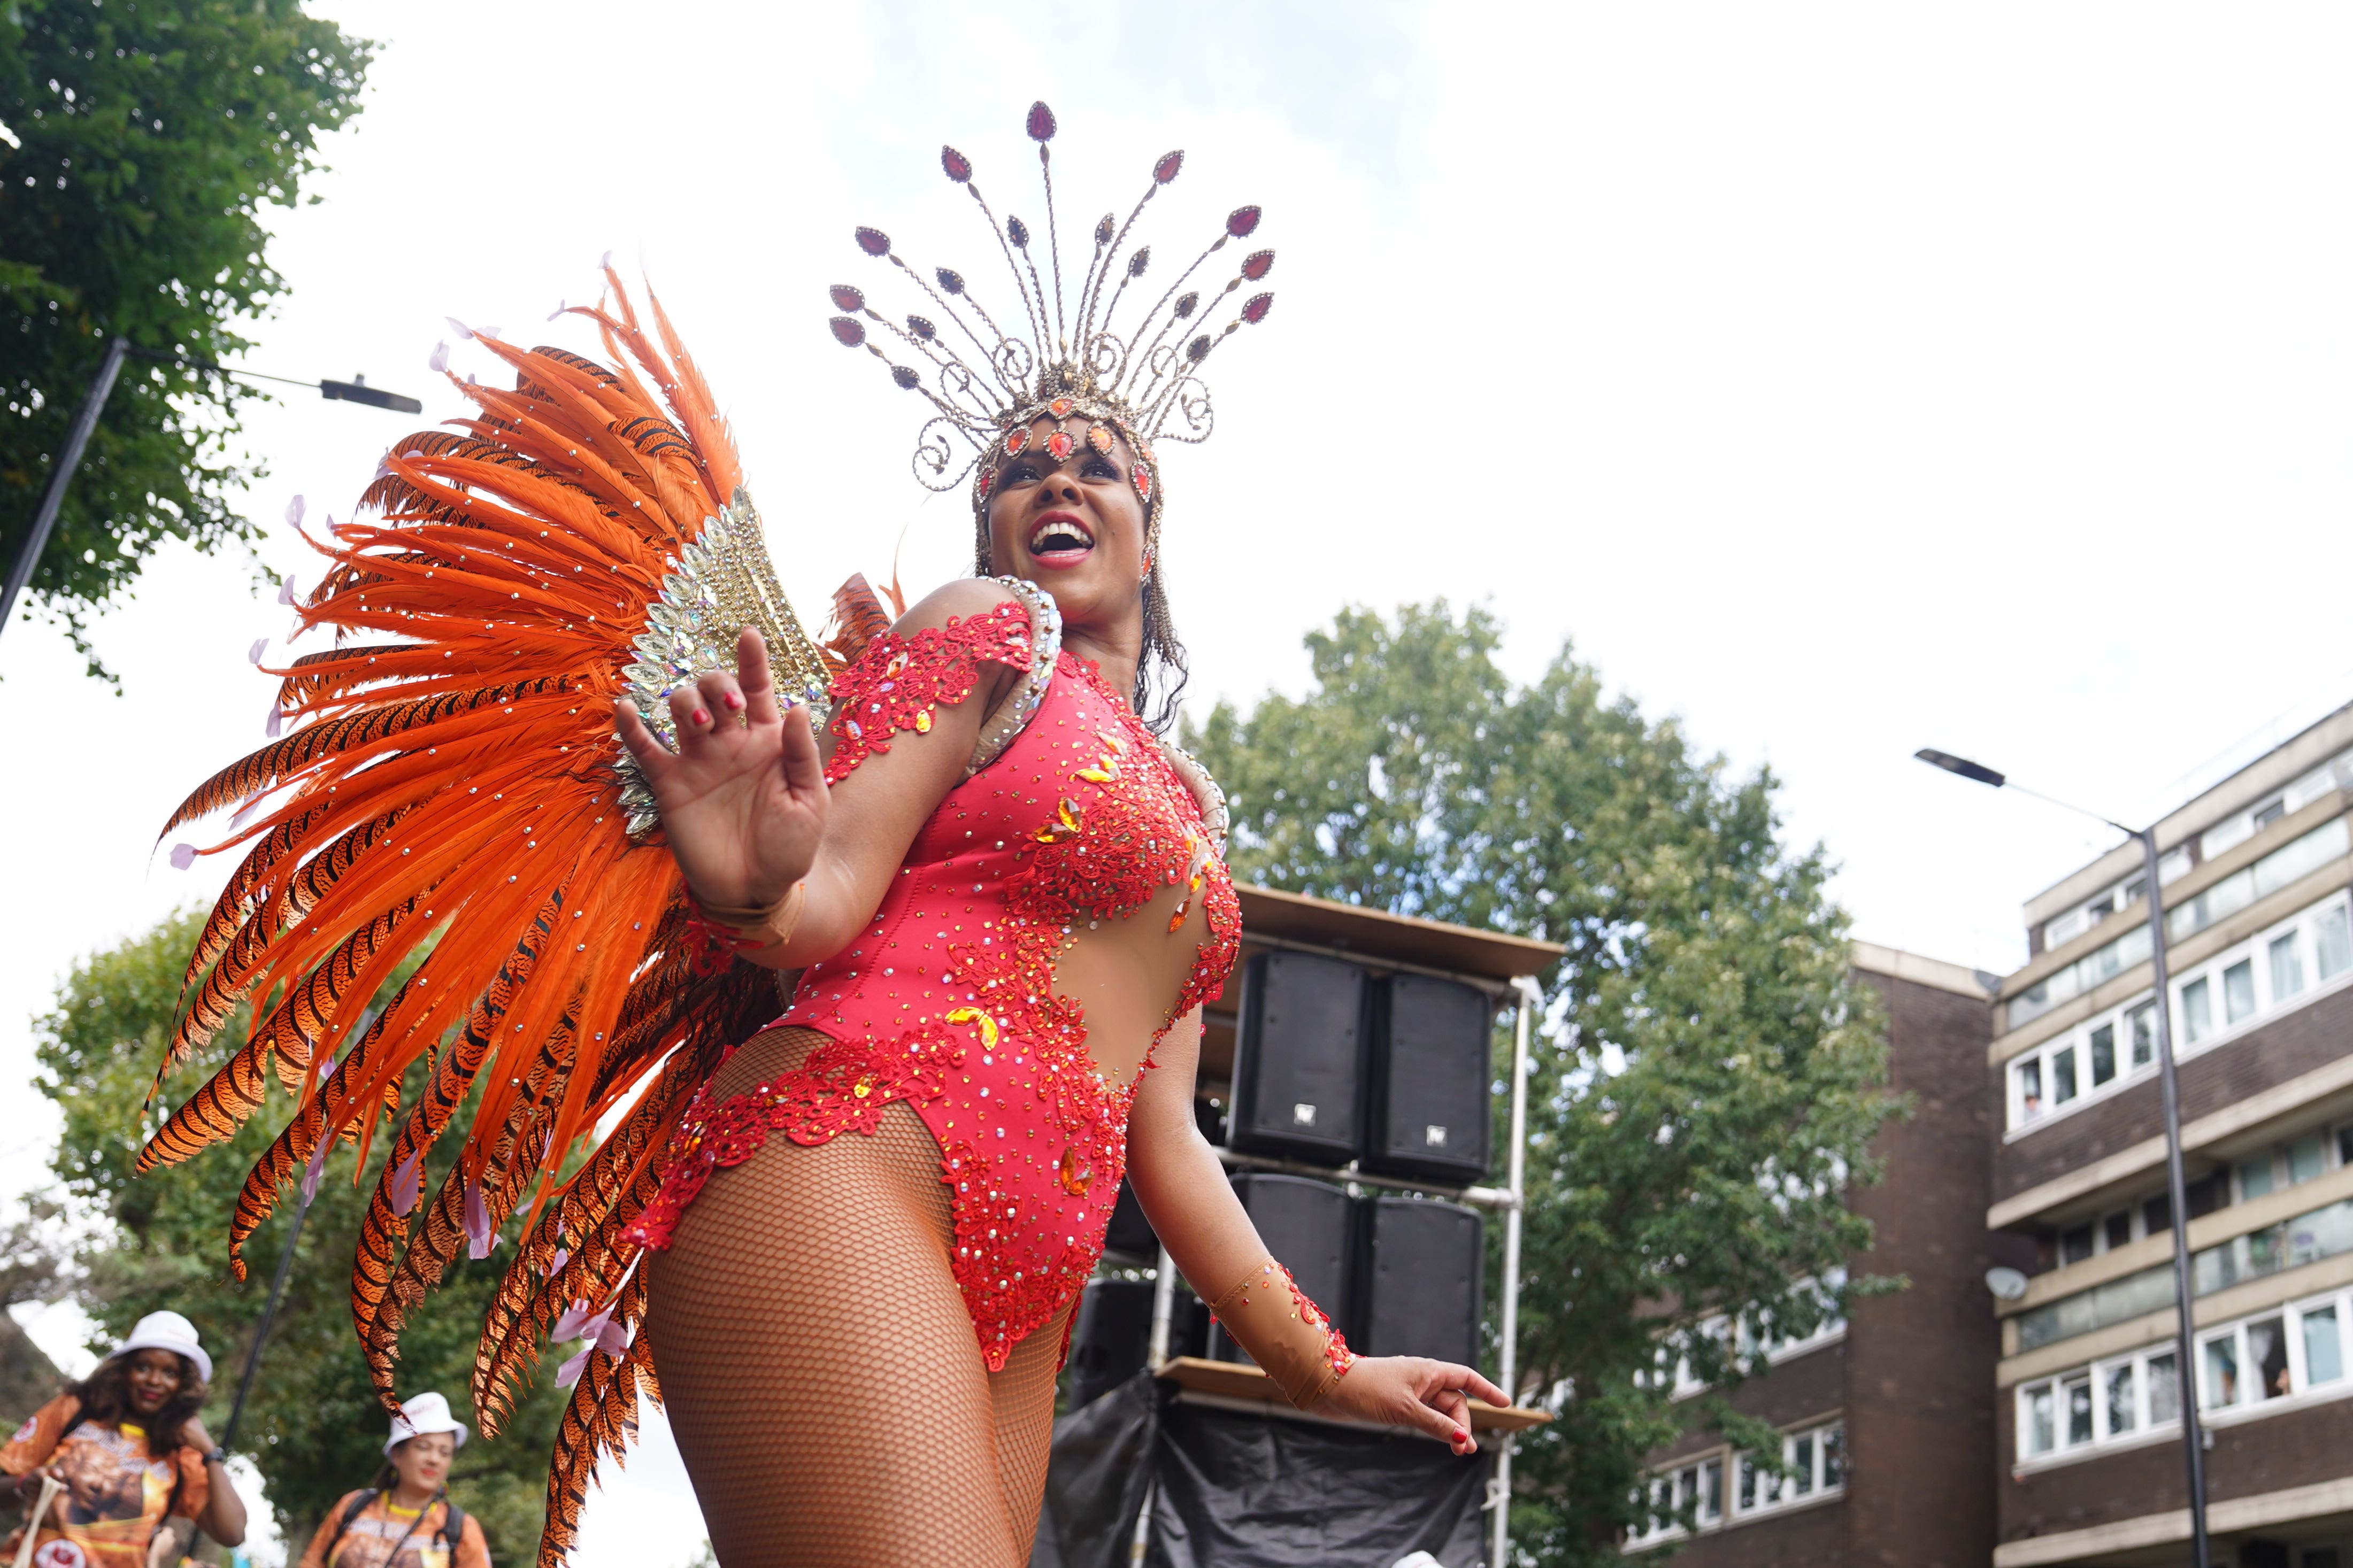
720,584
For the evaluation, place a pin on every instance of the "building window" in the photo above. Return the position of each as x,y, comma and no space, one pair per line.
2324,1232
1692,1491
2279,968
2104,1054
2274,1355
2239,990
2335,773
2324,1350
2267,876
1814,1462
2270,1356
2197,1012
2333,944
2095,1404
2287,966
2120,1394
2077,1243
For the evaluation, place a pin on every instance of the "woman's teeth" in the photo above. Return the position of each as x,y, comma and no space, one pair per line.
1060,536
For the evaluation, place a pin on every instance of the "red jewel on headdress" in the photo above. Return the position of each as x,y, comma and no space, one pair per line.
1060,445
1166,170
1060,408
1242,221
957,166
980,486
1100,437
874,242
1255,312
1042,122
1017,439
846,332
1143,478
1259,264
845,297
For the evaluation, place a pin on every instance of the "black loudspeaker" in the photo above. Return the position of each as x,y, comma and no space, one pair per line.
1112,1338
1299,1059
1420,1272
1130,1233
1428,1076
1310,1228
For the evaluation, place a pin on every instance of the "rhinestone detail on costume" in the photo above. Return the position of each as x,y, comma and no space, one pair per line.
948,1000
898,683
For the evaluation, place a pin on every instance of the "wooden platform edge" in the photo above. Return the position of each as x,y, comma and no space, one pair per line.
1232,1380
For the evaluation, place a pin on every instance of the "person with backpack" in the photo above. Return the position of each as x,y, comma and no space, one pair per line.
135,1471
406,1519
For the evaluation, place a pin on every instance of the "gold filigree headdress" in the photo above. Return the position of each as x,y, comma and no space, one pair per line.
1078,366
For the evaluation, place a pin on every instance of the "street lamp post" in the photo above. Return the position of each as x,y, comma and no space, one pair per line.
101,386
2193,1436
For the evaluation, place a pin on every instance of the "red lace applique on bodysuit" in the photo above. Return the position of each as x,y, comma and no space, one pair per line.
947,1001
899,682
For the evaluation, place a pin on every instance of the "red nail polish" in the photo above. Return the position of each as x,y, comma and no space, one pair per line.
734,701
700,717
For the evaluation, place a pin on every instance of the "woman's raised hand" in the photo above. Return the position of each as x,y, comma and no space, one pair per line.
1412,1390
743,798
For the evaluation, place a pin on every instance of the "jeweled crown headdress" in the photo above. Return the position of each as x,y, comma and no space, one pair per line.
1141,383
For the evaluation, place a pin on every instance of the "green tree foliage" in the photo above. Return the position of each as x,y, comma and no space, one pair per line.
313,1424
1707,1078
151,133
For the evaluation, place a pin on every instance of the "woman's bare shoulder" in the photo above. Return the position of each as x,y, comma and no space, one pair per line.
958,600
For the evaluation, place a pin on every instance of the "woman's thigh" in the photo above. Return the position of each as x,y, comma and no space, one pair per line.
819,1362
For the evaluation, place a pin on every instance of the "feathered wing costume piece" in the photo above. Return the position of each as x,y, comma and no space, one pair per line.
452,783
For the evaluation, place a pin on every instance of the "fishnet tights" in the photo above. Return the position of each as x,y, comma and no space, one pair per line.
819,1365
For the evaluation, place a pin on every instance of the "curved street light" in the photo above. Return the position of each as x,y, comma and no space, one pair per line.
2194,1439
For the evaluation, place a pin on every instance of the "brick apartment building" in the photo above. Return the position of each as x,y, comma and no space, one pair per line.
1884,1418
2088,1464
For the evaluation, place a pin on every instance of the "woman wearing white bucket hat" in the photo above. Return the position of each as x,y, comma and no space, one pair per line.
406,1519
127,1448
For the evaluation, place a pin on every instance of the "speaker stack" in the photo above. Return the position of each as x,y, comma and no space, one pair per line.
1427,1112
1299,1059
1332,1065
1420,1266
1310,1227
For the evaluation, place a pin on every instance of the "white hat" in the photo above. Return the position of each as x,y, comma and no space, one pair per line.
167,1331
421,1416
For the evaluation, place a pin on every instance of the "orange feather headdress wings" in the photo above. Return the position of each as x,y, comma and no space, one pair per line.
453,773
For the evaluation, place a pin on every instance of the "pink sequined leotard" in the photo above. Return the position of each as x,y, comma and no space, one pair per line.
948,999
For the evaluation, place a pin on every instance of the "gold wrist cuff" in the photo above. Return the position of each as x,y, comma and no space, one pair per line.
758,928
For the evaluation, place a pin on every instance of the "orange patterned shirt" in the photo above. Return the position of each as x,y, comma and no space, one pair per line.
378,1527
117,1494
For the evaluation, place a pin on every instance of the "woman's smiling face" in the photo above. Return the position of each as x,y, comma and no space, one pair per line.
1074,526
153,1377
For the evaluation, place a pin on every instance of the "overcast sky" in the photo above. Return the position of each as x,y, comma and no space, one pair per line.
1836,380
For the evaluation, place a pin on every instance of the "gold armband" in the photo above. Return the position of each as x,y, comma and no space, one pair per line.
1288,1335
752,928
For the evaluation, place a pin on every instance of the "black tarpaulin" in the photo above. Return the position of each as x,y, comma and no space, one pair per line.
1096,1478
1241,1489
1244,1490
